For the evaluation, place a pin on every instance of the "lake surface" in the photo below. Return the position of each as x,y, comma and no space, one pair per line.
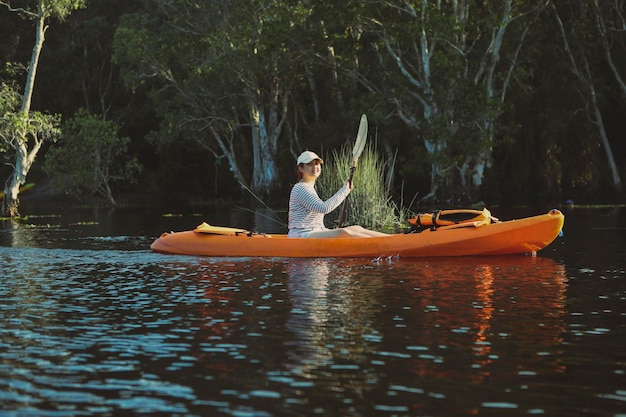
93,323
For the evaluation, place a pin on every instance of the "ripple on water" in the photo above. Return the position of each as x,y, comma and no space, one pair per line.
110,331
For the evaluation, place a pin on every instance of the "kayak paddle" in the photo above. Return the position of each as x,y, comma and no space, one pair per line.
359,145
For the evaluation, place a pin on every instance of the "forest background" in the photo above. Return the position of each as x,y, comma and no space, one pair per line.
160,101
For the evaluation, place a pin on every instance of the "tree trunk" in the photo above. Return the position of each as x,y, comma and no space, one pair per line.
267,124
23,157
229,153
581,69
617,181
23,161
265,171
10,203
606,45
486,76
40,37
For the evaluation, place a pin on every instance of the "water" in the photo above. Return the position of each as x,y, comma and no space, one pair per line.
93,323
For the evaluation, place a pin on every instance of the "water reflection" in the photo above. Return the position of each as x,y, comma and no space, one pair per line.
308,291
350,336
134,331
18,234
331,319
500,310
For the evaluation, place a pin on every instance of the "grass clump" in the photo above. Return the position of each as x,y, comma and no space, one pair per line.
369,204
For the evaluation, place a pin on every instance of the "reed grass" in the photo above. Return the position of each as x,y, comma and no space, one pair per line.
369,204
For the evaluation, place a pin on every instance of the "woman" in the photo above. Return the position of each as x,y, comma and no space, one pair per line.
307,210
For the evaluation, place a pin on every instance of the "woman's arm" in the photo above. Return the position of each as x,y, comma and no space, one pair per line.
309,199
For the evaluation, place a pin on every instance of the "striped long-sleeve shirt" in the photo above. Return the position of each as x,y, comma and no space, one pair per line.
306,208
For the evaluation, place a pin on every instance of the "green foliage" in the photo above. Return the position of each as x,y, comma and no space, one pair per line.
369,203
446,68
58,9
62,8
9,98
192,68
9,102
91,158
219,73
16,127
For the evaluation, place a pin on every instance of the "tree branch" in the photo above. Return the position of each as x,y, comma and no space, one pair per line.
18,9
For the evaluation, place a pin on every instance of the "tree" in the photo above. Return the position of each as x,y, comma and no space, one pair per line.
577,52
443,64
91,158
221,73
21,130
610,20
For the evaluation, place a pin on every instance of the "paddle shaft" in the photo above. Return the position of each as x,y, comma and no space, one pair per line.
345,202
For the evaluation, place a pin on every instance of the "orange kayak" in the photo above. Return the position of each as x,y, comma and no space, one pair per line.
526,235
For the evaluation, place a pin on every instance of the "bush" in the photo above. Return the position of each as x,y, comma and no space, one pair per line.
369,204
90,158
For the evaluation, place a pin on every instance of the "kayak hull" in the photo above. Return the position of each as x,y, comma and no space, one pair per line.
527,235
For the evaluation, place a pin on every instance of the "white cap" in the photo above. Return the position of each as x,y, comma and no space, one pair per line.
308,156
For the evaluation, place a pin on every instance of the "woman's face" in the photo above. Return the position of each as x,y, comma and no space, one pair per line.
311,171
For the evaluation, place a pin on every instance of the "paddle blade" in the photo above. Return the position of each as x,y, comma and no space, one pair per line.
361,137
359,145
